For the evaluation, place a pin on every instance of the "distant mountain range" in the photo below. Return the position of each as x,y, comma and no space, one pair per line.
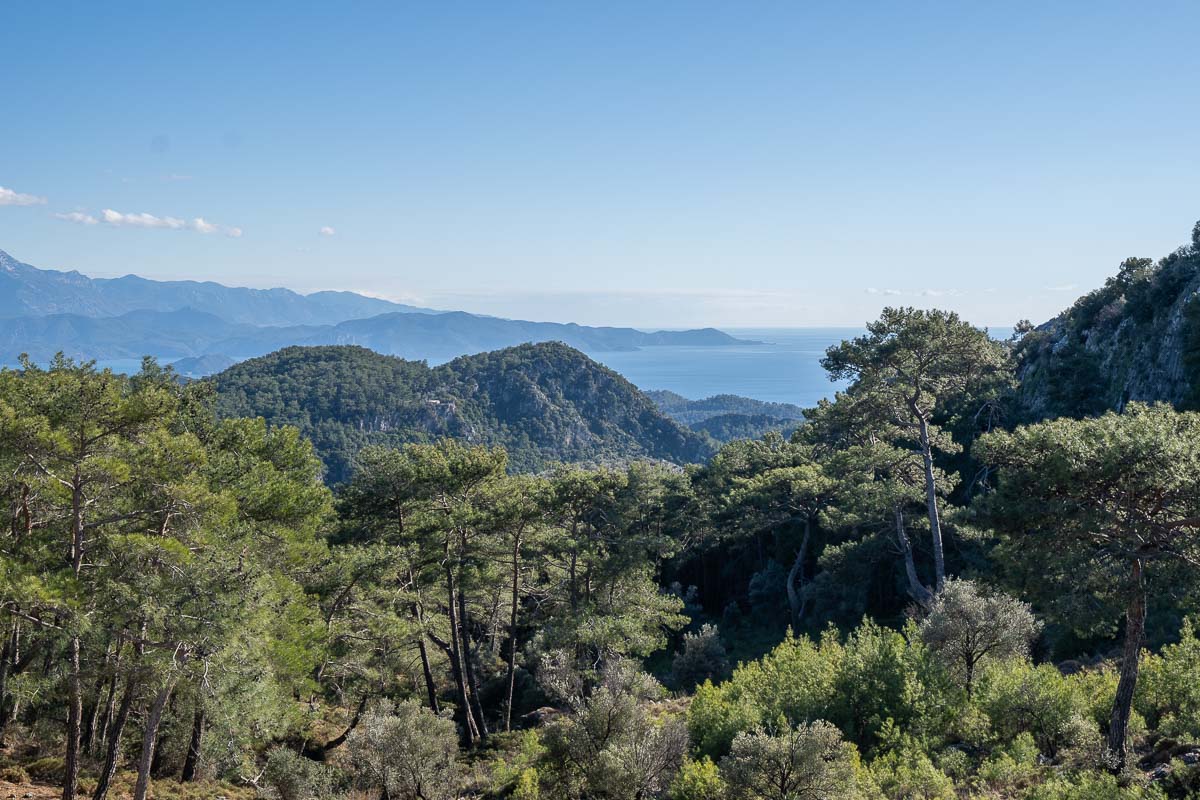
27,291
187,333
333,368
43,312
545,403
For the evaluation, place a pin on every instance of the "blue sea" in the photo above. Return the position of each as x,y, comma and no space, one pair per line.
784,368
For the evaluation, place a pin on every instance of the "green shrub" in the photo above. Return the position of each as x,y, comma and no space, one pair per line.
1011,768
527,786
698,780
1168,690
874,683
408,751
955,763
291,776
875,676
908,774
1093,786
14,774
809,761
516,760
1018,698
717,714
47,770
702,658
612,746
795,681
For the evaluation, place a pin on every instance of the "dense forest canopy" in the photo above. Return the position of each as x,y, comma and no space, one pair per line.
930,589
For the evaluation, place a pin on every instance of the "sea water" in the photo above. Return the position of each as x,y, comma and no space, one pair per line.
784,368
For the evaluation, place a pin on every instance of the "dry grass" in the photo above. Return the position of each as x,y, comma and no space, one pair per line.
166,789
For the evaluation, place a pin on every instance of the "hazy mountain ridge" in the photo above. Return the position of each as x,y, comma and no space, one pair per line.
43,312
27,291
546,403
191,333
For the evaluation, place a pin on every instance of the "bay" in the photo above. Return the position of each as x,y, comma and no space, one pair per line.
784,368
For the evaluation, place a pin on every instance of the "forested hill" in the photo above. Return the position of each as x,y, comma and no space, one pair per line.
690,412
544,402
727,417
1135,338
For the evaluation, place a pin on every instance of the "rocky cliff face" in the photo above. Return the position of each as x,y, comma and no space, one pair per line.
1135,339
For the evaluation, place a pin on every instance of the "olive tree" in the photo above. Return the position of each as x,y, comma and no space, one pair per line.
968,625
808,762
408,751
612,745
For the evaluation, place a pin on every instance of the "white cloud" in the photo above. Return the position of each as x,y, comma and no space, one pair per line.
327,231
78,216
10,198
1066,287
888,292
143,220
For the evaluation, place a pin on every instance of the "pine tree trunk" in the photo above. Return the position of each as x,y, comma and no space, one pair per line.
74,668
106,714
1135,629
93,710
469,665
796,573
113,752
512,630
917,589
427,671
74,720
430,686
935,523
456,661
191,762
150,737
6,659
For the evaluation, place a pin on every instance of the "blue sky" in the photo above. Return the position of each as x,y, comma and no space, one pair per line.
666,163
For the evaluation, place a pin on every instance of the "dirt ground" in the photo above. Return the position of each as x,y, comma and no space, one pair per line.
13,791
